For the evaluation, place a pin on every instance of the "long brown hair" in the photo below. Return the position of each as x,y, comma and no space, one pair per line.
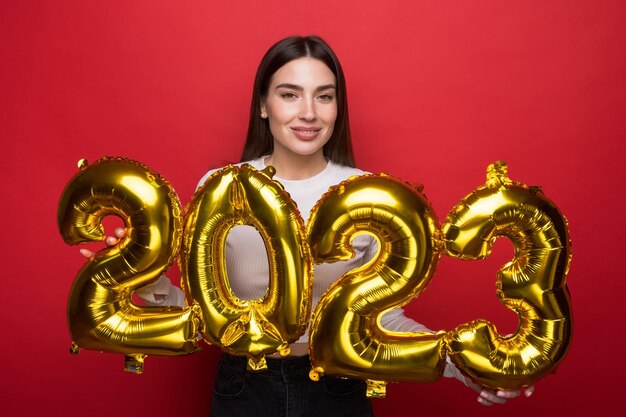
259,140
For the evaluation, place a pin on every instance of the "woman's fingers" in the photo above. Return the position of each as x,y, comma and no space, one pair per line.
488,397
528,391
491,397
484,402
120,232
508,393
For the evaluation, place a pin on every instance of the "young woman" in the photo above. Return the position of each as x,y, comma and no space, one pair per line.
299,125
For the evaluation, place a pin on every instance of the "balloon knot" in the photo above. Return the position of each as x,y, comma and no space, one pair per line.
269,170
497,174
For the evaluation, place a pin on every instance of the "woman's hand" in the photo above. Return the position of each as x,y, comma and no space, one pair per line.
490,397
110,241
161,292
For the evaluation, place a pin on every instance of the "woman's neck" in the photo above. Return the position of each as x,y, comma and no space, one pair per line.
296,167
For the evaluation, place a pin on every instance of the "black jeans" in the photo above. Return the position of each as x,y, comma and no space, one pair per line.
284,390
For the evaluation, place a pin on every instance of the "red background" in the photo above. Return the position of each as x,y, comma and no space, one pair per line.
437,90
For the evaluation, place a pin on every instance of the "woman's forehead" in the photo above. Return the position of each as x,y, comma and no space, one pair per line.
305,72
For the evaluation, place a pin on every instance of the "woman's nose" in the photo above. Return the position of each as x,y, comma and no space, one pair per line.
307,110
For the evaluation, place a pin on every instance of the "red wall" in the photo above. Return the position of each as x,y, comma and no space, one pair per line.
437,91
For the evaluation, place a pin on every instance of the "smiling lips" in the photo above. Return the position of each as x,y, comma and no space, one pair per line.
305,132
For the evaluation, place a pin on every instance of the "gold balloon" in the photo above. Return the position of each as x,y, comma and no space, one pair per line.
100,312
532,284
236,196
346,338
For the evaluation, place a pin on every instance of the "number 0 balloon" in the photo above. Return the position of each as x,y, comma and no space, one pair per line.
243,195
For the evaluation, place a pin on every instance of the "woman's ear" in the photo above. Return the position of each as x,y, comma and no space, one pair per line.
263,111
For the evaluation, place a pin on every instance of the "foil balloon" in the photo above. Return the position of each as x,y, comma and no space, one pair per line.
346,337
532,284
100,312
237,196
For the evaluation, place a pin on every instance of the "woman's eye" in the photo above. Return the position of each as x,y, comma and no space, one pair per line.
325,98
288,96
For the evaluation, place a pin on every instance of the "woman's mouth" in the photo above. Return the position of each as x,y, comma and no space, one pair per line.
305,133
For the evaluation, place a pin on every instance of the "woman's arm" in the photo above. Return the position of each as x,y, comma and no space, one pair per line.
161,293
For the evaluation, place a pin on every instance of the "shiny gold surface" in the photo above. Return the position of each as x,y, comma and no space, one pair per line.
532,284
100,312
243,195
346,338
376,389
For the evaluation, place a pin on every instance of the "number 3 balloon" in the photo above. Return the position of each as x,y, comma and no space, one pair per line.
533,284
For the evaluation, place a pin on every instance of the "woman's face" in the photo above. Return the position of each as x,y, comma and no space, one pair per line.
301,106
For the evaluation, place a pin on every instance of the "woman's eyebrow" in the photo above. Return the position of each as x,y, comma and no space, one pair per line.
326,87
300,88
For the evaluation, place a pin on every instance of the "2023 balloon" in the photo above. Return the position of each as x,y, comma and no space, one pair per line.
346,339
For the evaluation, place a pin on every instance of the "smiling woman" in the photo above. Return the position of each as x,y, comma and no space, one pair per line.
299,125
